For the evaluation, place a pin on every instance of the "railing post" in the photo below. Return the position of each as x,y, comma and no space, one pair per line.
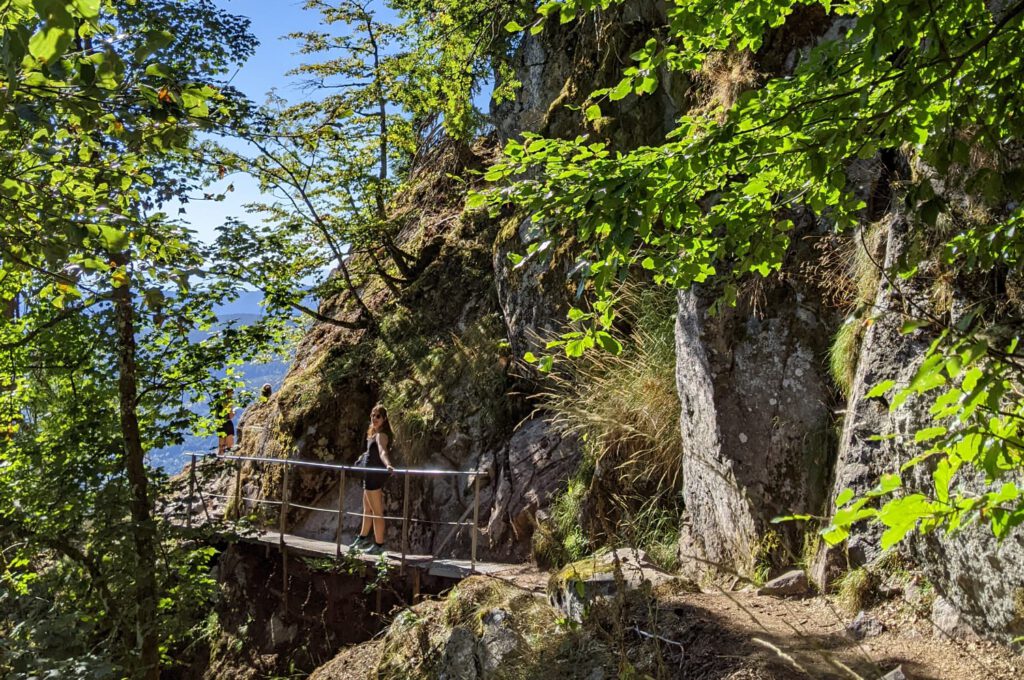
282,529
476,519
283,521
405,518
341,515
238,489
191,488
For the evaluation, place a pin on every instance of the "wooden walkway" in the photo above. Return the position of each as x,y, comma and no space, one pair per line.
445,568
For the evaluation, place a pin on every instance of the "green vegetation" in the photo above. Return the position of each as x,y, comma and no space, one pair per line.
101,104
625,409
719,199
856,285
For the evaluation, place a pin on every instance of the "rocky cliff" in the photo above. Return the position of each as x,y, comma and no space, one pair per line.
766,430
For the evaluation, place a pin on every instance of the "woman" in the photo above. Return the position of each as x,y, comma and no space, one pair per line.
225,413
378,438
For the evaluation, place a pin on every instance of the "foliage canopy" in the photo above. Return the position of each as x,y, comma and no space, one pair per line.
720,200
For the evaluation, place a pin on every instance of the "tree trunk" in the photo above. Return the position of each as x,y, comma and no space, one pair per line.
143,529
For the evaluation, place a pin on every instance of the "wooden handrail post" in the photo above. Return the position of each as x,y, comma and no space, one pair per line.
238,489
283,522
341,516
191,488
405,519
284,527
476,520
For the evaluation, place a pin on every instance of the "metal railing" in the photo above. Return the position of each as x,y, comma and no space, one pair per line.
285,504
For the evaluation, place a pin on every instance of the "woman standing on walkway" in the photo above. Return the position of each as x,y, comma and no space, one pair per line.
378,438
224,411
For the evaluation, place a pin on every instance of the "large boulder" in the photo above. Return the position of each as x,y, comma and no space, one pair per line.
755,427
574,589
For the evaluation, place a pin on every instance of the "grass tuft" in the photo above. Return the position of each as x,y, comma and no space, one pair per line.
625,409
855,590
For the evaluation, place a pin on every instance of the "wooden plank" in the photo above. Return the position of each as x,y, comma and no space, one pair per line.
447,568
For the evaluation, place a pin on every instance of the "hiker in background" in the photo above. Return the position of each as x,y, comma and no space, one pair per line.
265,393
378,439
224,412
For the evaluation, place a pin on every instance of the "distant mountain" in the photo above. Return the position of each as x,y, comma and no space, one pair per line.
245,310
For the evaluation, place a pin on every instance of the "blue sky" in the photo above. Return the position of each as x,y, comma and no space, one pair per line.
266,70
271,20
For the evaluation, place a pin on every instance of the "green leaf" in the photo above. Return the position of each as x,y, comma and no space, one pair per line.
929,433
648,85
50,42
513,27
88,9
620,91
844,497
608,343
880,389
930,212
113,239
791,518
913,325
593,112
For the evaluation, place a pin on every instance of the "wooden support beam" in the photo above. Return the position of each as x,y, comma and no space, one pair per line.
476,521
341,516
405,520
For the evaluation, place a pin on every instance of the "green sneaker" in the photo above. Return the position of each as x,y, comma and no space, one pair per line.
361,543
375,549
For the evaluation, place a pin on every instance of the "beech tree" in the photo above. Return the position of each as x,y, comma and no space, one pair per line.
100,102
330,166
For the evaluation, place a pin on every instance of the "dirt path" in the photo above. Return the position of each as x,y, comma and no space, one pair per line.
731,636
808,636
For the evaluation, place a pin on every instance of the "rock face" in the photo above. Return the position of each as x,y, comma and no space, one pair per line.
755,415
539,460
988,591
559,67
863,457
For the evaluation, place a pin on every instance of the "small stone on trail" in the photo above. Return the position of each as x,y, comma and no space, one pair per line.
865,626
895,674
792,583
946,621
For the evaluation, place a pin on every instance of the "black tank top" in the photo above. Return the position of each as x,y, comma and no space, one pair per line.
373,459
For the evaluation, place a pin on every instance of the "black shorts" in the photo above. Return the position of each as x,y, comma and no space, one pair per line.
374,481
227,428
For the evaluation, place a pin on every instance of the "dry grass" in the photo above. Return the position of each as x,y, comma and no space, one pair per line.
855,589
627,406
850,273
723,77
625,409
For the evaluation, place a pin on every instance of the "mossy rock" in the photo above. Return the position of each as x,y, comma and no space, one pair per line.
484,629
574,589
